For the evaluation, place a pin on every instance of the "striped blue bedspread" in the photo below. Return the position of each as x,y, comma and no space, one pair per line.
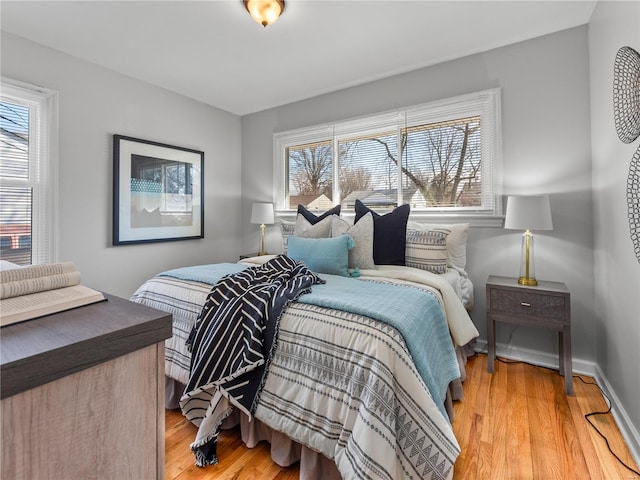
414,312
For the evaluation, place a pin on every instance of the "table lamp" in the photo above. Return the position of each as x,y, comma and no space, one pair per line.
262,213
529,212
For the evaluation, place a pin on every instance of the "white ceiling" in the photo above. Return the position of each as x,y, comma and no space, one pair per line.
214,52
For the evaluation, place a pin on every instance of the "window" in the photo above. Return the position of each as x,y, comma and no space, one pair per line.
27,168
442,158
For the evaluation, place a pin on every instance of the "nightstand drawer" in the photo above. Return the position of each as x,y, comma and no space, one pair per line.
550,307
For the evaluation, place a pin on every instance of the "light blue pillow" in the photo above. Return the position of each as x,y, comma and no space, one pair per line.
322,255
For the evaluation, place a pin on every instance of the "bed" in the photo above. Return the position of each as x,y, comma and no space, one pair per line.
345,392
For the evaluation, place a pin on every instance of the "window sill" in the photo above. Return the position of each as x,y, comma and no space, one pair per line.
477,220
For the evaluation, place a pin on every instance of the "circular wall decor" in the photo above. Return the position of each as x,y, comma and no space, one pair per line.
633,201
626,94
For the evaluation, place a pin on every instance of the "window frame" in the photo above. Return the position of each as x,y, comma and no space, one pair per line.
43,164
485,103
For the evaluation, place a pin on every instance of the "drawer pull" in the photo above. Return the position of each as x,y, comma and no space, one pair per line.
525,304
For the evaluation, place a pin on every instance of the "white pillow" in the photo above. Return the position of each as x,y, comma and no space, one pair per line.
360,256
456,241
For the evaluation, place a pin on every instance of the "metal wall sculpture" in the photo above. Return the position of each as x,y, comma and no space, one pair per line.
633,201
626,112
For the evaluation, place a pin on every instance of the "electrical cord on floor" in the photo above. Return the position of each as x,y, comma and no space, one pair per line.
588,415
608,411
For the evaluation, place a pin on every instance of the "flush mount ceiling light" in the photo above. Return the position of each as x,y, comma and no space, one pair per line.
265,12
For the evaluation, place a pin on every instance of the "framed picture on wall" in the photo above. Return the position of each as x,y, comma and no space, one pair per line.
158,192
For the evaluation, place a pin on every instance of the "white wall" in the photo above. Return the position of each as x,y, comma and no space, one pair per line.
94,104
546,149
617,271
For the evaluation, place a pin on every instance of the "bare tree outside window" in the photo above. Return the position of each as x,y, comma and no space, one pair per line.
363,163
442,161
310,169
354,179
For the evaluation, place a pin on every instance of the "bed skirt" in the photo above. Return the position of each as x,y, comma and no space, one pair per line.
286,452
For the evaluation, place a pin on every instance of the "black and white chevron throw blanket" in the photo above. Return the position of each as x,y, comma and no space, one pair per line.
231,344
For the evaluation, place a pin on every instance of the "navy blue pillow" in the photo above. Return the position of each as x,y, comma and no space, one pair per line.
389,233
312,218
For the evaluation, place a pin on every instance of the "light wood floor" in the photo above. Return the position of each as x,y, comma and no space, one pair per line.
514,425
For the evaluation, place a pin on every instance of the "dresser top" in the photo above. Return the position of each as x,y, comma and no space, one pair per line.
44,349
512,282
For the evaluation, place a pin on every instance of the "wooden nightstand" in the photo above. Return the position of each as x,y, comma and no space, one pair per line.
546,305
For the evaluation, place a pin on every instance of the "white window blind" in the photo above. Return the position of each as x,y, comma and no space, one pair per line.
442,158
28,118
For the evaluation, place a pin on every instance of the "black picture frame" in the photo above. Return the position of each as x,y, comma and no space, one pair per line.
158,192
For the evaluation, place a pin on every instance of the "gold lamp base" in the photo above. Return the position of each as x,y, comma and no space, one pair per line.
262,250
527,270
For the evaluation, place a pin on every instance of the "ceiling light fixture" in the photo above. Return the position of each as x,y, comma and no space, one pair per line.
265,12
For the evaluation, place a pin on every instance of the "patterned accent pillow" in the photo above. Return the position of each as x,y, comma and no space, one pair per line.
456,241
286,228
427,250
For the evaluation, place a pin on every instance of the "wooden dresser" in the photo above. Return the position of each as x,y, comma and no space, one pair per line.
83,393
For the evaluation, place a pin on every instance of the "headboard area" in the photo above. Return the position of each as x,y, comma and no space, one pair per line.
389,239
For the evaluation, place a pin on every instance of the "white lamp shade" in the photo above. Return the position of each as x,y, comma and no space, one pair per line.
528,212
262,213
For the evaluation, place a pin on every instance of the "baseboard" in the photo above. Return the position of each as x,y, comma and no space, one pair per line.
582,367
628,430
